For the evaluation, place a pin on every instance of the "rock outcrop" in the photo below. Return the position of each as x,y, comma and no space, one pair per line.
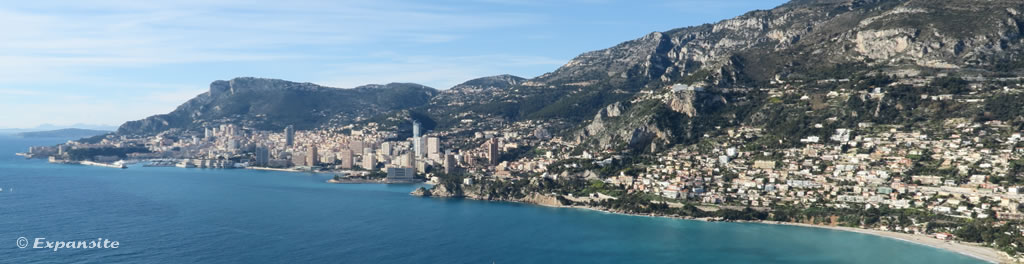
439,190
421,191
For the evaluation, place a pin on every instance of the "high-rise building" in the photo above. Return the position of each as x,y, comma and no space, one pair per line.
311,156
230,130
356,146
409,160
433,145
449,162
415,129
262,156
289,135
470,160
417,146
346,159
401,174
417,141
328,158
385,148
492,151
369,161
232,145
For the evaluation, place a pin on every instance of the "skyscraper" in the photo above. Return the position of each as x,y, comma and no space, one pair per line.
433,145
417,141
410,160
289,135
415,129
369,161
262,156
385,148
346,159
312,159
449,162
492,151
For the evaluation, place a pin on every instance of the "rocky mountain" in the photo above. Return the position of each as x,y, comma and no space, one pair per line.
801,37
499,82
800,40
730,68
273,104
674,86
477,91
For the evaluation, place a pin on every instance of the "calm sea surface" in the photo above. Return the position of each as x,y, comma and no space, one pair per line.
174,215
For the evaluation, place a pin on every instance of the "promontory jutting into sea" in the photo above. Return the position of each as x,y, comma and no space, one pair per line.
883,119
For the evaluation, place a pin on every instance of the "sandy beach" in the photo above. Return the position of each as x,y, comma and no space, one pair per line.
980,252
976,251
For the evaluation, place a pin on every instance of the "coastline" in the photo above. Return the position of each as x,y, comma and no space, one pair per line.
983,253
986,254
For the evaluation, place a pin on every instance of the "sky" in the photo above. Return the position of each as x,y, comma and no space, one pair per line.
104,62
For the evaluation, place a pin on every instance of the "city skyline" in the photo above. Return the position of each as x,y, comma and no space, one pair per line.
107,62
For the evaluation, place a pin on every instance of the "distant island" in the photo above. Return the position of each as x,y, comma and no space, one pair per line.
65,133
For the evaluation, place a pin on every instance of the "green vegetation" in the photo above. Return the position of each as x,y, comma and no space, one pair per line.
597,186
950,85
874,81
1006,107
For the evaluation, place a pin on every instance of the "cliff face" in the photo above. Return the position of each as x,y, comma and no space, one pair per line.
274,104
805,34
801,41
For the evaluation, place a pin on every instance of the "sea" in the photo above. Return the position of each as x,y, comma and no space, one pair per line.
176,215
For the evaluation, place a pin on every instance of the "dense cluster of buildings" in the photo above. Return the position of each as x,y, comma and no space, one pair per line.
960,170
955,175
345,149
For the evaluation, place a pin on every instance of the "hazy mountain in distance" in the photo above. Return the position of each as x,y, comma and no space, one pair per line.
48,127
63,133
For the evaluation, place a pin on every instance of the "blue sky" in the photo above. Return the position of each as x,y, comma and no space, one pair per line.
110,61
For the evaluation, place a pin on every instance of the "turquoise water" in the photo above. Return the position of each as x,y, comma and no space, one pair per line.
161,215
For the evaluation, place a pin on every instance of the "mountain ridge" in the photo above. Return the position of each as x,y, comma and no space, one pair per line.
799,42
273,104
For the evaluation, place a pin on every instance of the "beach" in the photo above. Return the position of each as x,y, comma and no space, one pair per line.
976,251
980,252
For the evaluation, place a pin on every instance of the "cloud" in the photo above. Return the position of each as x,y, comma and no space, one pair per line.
19,92
89,61
107,61
42,38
